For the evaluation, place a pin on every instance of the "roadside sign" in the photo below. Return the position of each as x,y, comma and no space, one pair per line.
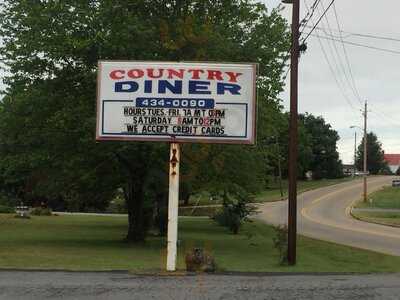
176,102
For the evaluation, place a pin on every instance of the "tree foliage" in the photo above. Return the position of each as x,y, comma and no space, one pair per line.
375,158
47,116
323,157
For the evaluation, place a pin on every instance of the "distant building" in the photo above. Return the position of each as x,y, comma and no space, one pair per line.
393,161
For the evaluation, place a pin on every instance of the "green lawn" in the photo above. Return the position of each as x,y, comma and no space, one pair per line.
386,218
388,197
273,194
95,243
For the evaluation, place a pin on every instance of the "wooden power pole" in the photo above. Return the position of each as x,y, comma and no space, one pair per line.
293,135
365,152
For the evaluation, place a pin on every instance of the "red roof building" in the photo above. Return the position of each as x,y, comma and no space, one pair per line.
393,161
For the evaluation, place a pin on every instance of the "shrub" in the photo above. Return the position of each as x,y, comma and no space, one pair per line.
6,209
41,211
280,241
235,210
117,205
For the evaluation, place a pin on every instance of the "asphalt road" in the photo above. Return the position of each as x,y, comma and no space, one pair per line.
325,214
108,285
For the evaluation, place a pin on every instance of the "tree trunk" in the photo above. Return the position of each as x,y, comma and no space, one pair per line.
134,197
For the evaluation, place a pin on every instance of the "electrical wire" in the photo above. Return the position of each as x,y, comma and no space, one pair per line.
384,117
309,15
338,60
355,90
319,20
332,69
349,34
357,44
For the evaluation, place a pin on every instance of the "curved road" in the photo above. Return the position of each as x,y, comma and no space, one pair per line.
325,214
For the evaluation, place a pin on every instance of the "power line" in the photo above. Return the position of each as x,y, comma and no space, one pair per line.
357,44
309,15
319,20
385,117
348,34
339,62
357,94
332,70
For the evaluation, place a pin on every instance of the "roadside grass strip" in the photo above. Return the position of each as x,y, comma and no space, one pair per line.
382,207
273,194
387,197
96,243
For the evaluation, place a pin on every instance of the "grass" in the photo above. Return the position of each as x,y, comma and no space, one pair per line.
385,218
387,197
273,194
95,243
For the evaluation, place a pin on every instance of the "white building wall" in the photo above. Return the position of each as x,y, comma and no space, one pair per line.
394,168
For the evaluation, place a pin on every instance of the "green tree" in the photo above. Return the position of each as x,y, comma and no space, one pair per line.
324,161
375,155
47,119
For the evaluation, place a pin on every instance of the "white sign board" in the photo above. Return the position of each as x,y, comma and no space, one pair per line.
176,102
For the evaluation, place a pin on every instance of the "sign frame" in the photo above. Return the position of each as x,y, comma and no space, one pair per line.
177,139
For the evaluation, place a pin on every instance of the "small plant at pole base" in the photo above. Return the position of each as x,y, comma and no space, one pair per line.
280,241
199,261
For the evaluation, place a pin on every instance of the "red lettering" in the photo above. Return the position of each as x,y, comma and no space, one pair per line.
150,73
135,73
195,73
233,76
117,74
178,73
214,75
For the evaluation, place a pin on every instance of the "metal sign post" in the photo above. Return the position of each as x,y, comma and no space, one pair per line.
173,203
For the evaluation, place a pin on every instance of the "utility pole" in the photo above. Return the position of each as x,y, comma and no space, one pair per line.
355,153
279,165
365,151
293,134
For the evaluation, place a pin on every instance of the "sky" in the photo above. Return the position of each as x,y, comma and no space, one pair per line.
376,74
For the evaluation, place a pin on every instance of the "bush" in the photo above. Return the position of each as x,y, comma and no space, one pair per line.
7,200
6,209
280,241
235,210
227,217
117,205
41,211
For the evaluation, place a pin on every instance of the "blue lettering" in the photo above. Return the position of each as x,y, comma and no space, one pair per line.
199,87
234,89
148,85
175,88
126,87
